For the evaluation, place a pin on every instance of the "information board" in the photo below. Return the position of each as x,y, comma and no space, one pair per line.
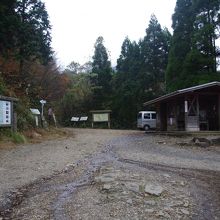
35,111
101,117
5,112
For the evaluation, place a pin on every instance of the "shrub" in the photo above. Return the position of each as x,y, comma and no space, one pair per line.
25,119
18,138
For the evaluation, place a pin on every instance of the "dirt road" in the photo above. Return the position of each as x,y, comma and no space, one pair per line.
110,174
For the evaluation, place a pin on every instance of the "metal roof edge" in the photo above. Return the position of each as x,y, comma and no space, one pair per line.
161,98
182,91
202,86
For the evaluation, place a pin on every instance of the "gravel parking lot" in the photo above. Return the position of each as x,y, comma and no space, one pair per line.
110,174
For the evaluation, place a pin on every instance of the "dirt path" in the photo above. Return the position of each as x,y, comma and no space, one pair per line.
27,163
110,174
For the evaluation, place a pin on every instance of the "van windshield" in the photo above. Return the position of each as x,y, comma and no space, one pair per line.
146,115
139,116
153,115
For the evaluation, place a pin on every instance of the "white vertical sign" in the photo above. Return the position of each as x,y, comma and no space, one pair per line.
5,113
171,121
186,106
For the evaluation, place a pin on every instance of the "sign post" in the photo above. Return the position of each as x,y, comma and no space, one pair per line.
36,114
43,102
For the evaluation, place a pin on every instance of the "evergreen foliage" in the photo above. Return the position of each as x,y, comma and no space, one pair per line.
8,21
140,73
102,67
27,70
155,48
33,34
24,38
193,54
2,86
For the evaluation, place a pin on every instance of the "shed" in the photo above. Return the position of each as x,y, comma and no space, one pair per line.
192,109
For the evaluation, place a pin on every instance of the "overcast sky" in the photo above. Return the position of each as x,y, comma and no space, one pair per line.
76,24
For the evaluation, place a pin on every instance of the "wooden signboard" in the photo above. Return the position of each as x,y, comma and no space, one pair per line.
101,116
5,113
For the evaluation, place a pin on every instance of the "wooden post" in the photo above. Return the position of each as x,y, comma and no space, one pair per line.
197,111
14,125
219,112
186,111
36,121
13,118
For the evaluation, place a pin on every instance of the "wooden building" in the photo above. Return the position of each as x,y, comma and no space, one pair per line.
192,109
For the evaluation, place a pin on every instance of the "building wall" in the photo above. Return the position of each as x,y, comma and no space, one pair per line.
191,109
172,116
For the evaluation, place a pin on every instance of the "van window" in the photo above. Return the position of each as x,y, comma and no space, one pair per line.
139,115
153,115
146,115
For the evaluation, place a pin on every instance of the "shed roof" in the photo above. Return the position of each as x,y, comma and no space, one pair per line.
182,91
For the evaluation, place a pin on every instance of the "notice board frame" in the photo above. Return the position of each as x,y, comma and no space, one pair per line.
99,116
13,117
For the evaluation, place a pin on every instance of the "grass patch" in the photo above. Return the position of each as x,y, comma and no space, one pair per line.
8,138
18,138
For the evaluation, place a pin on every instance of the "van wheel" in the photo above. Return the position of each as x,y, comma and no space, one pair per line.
146,128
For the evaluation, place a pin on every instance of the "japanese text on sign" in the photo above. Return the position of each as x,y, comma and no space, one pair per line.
102,117
5,113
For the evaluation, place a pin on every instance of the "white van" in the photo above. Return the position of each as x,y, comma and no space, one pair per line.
146,120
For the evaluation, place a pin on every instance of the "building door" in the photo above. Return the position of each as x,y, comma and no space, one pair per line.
180,114
163,116
208,112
